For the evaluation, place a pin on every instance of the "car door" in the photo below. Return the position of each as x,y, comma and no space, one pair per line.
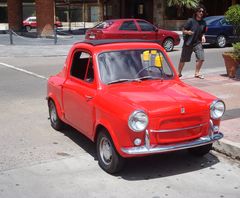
147,30
128,30
33,22
79,90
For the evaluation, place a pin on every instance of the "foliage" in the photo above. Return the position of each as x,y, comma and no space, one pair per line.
233,17
236,51
183,3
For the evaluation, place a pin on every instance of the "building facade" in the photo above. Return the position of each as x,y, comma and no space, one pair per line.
77,11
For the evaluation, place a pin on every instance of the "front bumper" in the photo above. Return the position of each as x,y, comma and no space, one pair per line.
151,149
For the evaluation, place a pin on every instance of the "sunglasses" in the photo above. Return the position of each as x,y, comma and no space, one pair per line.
201,11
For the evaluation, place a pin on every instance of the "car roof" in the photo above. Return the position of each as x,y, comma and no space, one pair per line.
213,18
111,41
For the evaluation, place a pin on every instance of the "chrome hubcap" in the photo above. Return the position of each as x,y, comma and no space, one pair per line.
105,149
221,41
53,113
168,45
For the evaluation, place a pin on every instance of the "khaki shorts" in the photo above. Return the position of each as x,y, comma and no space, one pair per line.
188,50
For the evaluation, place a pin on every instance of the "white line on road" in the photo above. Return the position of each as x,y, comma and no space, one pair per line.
24,71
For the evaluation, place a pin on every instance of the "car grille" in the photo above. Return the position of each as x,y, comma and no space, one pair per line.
170,130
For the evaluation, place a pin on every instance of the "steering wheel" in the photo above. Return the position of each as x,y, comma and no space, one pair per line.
146,68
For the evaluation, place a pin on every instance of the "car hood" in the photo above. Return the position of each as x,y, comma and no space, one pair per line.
161,97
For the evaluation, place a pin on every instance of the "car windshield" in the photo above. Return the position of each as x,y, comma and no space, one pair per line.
133,65
212,19
103,25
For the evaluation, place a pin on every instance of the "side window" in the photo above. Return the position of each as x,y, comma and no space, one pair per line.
145,26
224,22
82,67
128,25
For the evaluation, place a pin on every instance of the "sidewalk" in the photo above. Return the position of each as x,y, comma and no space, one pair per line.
229,91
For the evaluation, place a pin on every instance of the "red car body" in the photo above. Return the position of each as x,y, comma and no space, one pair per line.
131,112
31,23
133,29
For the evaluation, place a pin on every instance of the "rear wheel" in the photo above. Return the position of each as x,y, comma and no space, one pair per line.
56,123
28,28
221,41
108,158
168,44
201,150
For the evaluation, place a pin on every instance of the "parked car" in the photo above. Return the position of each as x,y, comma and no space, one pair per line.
133,29
31,23
125,96
219,31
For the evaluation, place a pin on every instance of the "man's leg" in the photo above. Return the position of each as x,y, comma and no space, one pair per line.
180,68
199,52
199,64
185,57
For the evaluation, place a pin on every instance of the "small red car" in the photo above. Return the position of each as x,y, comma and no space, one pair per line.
133,29
125,96
31,23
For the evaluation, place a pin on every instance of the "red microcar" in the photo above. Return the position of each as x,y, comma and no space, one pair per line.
125,96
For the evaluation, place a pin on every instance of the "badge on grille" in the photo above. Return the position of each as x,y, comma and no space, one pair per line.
182,110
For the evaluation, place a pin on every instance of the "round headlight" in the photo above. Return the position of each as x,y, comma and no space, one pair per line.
217,109
138,121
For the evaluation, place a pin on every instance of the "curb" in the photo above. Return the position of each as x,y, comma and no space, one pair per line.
227,147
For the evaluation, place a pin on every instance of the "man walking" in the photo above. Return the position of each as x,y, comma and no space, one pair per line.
193,35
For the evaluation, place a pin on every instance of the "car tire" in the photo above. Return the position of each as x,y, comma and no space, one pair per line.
168,44
108,158
221,41
201,150
28,28
56,122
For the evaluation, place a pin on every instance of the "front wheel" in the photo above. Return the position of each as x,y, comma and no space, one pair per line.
108,158
201,150
168,44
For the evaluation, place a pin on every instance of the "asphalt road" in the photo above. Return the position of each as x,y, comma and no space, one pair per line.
36,161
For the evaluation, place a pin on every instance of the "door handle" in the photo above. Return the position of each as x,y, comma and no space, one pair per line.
88,97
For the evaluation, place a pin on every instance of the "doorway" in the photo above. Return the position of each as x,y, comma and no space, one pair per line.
142,9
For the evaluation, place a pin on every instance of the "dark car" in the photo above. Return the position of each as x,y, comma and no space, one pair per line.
133,29
219,31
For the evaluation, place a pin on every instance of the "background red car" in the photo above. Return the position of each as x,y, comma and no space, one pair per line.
133,29
31,23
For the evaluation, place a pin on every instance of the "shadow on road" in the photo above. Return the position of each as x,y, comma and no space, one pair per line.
165,165
150,167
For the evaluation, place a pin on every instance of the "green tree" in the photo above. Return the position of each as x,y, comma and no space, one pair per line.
233,17
180,4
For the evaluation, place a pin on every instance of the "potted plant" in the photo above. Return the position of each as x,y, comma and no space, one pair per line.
232,58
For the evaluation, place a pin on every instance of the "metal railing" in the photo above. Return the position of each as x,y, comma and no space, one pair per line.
31,38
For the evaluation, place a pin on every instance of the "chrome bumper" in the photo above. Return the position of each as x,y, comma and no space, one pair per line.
150,149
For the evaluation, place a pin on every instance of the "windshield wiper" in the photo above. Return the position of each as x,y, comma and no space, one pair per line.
150,77
119,81
145,78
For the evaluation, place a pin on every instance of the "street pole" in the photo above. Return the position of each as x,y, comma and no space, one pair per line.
55,35
11,36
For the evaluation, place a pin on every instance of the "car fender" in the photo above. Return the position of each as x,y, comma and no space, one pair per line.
115,123
107,125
